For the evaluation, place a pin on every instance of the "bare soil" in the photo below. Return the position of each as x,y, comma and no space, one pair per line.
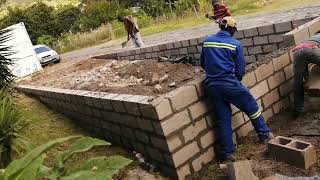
124,77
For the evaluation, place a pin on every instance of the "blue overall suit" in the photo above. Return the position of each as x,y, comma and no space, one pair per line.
223,60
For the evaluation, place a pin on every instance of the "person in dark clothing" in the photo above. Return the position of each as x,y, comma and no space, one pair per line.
219,11
304,54
133,30
223,60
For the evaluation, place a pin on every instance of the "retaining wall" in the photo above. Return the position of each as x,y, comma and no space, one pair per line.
256,41
176,130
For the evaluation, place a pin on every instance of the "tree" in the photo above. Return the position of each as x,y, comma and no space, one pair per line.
97,13
65,18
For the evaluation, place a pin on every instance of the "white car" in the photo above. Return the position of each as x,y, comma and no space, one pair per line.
46,55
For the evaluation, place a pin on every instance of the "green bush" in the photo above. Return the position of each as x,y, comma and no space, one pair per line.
10,125
144,19
46,39
154,8
185,5
97,13
66,18
98,168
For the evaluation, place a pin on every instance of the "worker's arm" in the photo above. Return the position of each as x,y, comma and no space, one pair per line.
202,60
240,63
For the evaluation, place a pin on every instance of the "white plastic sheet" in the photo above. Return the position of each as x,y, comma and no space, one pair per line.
25,59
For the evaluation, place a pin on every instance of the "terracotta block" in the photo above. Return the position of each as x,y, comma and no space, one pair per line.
244,130
281,105
117,102
294,152
289,71
183,172
286,88
237,120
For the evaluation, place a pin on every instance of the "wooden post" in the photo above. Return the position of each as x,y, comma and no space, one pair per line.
195,10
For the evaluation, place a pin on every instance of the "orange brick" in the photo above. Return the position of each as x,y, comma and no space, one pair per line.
291,55
182,97
183,172
237,120
198,109
270,98
185,154
289,71
267,114
260,89
203,159
281,105
207,140
276,80
163,108
249,79
264,71
175,122
245,129
193,131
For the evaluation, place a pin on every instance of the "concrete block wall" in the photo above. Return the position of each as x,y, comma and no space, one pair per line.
175,130
256,41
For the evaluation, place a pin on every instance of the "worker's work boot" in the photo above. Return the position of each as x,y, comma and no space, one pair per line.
228,159
265,138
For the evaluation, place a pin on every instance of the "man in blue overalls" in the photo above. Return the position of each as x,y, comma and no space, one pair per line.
223,60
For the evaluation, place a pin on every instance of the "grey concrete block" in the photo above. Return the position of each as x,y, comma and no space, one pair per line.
155,48
258,40
177,44
250,59
162,47
193,41
251,32
283,27
254,50
294,152
185,43
269,48
275,38
169,45
239,34
183,51
246,42
192,49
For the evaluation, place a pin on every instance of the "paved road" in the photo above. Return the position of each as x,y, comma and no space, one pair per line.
244,22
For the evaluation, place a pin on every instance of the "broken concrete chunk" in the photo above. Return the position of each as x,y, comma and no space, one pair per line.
155,79
158,88
173,84
241,170
146,82
164,78
101,85
139,80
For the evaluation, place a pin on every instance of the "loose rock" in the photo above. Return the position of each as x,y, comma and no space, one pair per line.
173,84
158,88
163,78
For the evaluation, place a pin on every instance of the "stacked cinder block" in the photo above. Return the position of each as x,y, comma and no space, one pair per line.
256,41
294,152
176,130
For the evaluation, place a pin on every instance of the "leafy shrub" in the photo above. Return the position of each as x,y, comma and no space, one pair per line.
66,18
154,7
31,165
185,5
144,19
10,125
97,13
46,39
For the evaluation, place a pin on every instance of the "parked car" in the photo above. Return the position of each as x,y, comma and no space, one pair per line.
46,55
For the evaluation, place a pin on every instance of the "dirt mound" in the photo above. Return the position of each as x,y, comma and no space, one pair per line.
124,77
